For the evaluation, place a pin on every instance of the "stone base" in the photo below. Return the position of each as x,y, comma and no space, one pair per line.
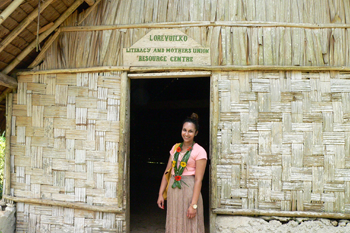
8,220
240,224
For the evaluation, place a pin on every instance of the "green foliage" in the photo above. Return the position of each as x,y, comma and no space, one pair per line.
2,162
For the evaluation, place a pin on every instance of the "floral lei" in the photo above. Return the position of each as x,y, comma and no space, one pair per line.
178,171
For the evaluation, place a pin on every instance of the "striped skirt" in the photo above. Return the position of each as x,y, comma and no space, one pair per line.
178,202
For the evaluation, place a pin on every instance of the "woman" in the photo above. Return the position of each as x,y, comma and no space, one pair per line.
188,161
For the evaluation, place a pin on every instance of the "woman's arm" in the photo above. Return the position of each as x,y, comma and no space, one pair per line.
163,185
200,169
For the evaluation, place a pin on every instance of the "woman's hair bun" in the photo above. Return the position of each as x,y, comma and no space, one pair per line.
192,119
194,116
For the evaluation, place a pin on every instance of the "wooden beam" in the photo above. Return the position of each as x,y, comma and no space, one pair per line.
25,22
123,134
43,29
296,214
243,68
8,11
88,12
47,45
32,45
90,2
77,70
203,24
7,172
213,147
7,81
65,204
127,154
189,68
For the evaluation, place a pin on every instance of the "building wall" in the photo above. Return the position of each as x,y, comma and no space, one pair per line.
64,147
284,141
283,144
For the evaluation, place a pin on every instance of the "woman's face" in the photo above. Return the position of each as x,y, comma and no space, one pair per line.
188,132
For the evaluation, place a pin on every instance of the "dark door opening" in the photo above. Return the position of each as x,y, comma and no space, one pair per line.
158,107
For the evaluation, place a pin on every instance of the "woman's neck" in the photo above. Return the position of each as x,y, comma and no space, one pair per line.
188,144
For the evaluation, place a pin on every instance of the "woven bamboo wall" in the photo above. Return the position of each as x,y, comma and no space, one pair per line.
65,138
229,45
284,141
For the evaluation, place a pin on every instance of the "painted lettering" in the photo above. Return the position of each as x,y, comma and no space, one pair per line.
152,58
158,50
181,59
200,50
168,38
138,50
178,50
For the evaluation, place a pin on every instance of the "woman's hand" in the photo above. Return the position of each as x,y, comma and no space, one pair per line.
160,202
191,213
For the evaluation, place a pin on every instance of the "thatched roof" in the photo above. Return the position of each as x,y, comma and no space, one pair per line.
19,43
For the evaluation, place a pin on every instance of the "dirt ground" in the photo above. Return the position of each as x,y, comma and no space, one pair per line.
148,219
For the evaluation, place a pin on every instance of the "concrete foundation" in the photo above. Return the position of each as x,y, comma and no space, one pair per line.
8,220
239,224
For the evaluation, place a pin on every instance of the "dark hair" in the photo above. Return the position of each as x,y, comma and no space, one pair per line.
192,119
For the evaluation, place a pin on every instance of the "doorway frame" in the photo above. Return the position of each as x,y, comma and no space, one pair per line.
124,142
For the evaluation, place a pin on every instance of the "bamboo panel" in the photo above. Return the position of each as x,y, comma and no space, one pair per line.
37,88
67,150
66,79
298,141
43,100
61,95
54,111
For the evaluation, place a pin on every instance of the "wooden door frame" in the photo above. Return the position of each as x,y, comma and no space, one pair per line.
124,151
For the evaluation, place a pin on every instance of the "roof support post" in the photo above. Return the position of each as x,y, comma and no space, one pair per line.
7,171
8,11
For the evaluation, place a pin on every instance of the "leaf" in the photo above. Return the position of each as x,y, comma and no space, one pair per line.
174,185
178,184
185,183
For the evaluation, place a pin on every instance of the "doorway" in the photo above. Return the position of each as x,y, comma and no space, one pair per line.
157,109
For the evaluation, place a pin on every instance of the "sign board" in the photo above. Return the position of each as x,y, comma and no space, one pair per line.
166,47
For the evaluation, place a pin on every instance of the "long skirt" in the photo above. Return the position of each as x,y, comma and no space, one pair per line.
178,202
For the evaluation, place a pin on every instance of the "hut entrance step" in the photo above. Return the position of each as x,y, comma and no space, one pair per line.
157,109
